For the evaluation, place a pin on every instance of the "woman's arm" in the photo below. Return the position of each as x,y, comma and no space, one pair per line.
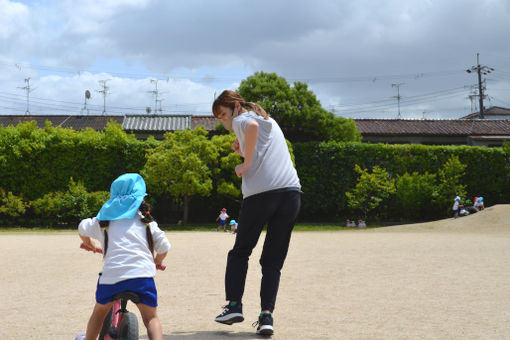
250,140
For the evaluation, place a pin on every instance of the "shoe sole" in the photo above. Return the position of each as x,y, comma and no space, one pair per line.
230,319
265,330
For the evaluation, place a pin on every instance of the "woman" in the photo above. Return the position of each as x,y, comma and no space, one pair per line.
271,195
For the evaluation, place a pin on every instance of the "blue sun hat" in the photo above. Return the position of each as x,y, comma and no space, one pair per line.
457,198
233,222
126,195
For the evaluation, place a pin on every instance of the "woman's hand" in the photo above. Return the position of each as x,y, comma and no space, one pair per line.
237,148
241,169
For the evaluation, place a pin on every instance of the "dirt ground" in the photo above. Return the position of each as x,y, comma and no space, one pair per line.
448,279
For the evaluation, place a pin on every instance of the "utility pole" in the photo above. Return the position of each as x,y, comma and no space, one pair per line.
27,90
87,96
160,109
155,92
480,69
398,97
105,92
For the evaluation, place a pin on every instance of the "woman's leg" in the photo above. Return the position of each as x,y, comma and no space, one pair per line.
254,214
151,321
276,246
96,320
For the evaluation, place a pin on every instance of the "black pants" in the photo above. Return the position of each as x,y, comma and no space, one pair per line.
279,209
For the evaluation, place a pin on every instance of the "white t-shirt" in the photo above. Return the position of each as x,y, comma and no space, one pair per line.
223,216
128,255
456,205
271,166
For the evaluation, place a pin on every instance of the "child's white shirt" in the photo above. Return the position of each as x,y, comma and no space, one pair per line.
455,205
128,255
223,216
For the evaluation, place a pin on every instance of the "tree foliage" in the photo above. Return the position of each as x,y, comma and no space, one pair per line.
296,109
179,166
371,189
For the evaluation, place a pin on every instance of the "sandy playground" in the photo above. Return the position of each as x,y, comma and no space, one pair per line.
448,279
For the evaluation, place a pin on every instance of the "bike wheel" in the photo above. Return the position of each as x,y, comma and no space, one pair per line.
107,324
128,328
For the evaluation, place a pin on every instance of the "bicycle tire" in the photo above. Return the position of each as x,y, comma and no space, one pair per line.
128,328
107,324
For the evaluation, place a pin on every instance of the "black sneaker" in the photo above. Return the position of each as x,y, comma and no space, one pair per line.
265,324
232,313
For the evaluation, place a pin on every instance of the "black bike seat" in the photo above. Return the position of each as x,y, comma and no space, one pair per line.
128,296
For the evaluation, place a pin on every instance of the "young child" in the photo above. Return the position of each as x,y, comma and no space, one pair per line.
223,219
456,207
128,235
233,226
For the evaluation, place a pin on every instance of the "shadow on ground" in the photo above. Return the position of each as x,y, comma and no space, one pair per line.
210,335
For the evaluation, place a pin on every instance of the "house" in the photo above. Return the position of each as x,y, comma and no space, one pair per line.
141,125
75,122
493,112
477,132
488,132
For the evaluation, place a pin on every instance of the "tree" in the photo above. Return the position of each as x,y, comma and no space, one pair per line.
296,109
450,176
227,182
371,189
416,194
179,166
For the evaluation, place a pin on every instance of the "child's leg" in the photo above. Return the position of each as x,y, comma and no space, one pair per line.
96,320
151,321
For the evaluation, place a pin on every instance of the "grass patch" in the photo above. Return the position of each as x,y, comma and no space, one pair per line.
197,228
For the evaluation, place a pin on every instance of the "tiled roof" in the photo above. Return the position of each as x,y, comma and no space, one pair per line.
75,122
208,122
459,127
156,123
491,111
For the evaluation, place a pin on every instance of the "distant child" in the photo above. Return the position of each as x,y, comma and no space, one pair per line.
223,219
233,226
361,224
479,203
456,207
128,235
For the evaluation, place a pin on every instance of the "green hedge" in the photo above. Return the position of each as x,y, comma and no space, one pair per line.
34,162
37,165
327,171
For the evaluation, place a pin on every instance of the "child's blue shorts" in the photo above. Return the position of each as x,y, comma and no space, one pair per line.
222,222
144,287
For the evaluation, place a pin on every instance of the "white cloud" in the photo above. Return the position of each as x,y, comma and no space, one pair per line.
347,51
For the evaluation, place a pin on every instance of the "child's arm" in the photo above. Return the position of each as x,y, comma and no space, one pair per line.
159,258
87,242
88,229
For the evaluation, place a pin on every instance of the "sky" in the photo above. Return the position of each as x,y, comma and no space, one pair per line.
355,56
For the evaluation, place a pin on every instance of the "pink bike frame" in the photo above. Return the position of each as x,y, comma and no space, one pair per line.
116,318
